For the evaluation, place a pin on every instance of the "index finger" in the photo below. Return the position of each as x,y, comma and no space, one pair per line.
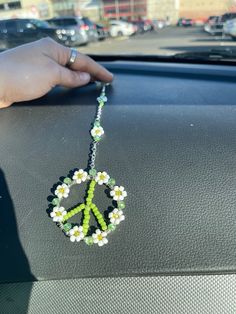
86,64
83,63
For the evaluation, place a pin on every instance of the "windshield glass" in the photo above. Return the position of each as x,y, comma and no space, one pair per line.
40,23
63,22
196,28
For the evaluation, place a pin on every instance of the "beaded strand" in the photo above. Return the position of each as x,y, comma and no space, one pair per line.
117,193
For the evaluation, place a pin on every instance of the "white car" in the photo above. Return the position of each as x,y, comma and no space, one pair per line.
121,28
230,28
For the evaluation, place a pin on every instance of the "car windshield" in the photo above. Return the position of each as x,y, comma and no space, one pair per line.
63,22
40,23
174,28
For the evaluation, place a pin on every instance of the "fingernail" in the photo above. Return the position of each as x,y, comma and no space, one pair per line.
84,76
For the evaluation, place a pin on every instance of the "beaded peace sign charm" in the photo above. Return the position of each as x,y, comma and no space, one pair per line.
60,215
77,233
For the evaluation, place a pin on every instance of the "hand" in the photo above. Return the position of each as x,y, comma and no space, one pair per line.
32,70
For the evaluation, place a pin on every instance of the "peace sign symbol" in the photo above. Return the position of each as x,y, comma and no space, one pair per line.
77,233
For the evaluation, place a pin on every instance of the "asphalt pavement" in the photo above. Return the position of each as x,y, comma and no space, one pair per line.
167,41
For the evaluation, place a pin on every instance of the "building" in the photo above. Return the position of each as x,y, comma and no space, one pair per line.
202,9
133,9
169,10
129,9
163,9
25,9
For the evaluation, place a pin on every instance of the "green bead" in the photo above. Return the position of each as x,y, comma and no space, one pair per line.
99,216
92,172
88,240
55,201
67,181
111,227
111,182
97,138
96,123
67,227
121,204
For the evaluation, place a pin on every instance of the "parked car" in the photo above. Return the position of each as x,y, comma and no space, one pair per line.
14,32
84,30
121,28
229,28
142,25
148,25
139,25
158,24
103,32
69,25
90,28
185,22
215,25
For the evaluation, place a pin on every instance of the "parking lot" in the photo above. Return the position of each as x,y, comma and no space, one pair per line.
166,41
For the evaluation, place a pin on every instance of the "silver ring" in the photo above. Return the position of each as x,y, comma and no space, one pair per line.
73,55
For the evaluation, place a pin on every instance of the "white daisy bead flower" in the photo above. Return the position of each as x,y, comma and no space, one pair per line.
76,234
62,191
97,131
118,193
116,216
102,178
99,237
80,176
58,213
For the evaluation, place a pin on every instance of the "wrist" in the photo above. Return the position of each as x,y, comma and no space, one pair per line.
4,102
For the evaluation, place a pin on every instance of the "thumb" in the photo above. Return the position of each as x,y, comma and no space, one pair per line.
70,78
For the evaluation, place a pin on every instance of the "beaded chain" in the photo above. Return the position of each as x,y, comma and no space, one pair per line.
60,215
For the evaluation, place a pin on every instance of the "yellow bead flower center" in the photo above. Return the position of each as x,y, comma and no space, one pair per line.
76,233
102,177
100,237
80,175
118,193
115,216
58,214
97,132
61,190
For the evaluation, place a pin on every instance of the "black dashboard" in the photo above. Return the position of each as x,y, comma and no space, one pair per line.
170,140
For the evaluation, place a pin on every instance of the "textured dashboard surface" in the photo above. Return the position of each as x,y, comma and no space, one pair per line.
170,140
162,294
